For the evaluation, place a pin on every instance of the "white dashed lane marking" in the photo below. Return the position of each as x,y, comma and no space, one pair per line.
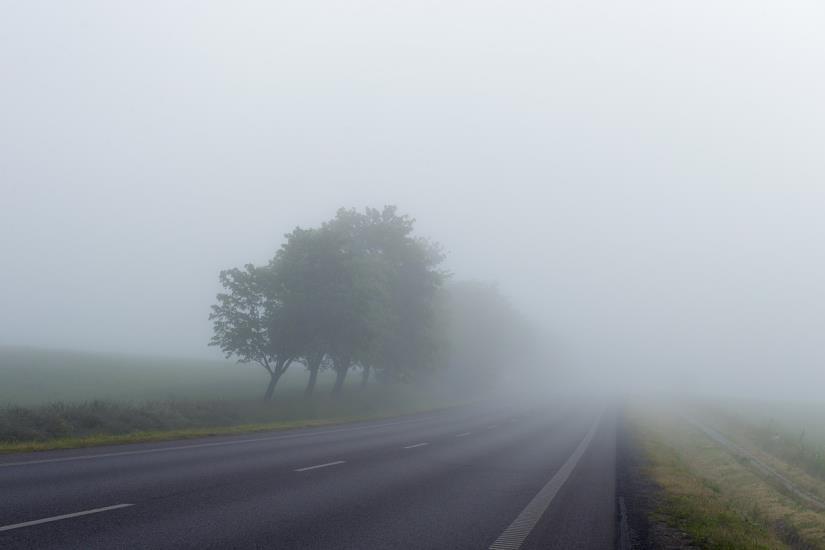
317,466
64,516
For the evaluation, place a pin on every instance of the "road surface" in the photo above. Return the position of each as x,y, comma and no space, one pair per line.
477,477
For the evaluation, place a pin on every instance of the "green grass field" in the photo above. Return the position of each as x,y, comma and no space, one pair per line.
31,376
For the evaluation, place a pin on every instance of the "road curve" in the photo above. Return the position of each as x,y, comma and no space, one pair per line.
506,477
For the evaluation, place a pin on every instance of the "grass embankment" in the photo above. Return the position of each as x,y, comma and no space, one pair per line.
93,408
716,497
788,435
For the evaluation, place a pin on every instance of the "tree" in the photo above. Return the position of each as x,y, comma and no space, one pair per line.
407,340
331,292
249,323
378,285
303,269
357,307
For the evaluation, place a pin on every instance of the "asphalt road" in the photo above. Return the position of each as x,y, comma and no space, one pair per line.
504,477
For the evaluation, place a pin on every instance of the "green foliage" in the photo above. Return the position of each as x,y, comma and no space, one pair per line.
403,342
239,317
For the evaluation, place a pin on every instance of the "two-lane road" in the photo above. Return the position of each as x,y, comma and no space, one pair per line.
476,477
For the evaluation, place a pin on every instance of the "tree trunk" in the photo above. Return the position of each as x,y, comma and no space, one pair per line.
270,389
340,376
365,376
313,377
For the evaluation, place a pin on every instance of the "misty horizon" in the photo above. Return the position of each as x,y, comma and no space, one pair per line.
643,182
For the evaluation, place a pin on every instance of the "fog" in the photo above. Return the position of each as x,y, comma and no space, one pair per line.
643,179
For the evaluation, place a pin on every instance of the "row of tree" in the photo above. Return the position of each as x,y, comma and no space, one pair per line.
360,291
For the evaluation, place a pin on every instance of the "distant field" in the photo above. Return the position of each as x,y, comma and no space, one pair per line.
35,376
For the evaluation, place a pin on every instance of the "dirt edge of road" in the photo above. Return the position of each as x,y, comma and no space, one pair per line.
641,497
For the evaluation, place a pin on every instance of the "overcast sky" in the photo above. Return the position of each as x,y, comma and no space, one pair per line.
645,179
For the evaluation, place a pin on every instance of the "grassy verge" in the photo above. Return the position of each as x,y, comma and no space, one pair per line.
169,435
719,501
63,426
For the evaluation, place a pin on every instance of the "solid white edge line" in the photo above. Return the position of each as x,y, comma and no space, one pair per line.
64,516
416,445
205,445
514,536
337,462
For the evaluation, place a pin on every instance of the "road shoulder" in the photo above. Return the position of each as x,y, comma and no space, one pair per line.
642,497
